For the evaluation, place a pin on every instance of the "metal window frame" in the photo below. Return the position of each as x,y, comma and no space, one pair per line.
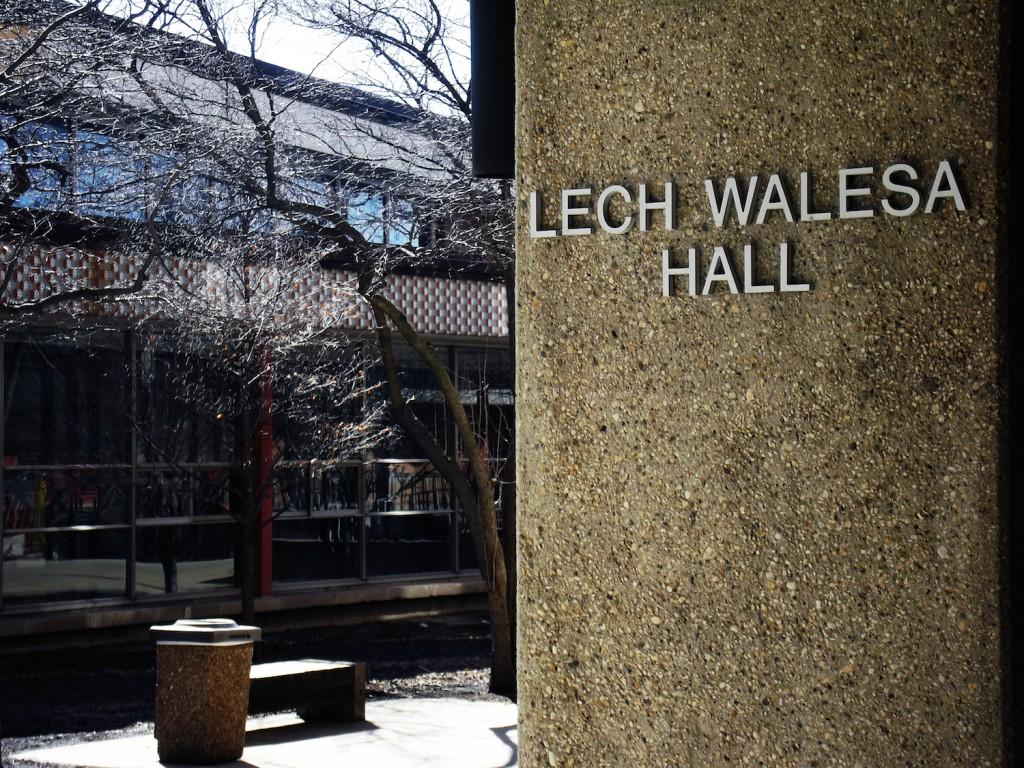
134,468
135,522
363,514
127,349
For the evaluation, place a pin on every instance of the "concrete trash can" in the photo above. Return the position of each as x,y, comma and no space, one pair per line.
202,689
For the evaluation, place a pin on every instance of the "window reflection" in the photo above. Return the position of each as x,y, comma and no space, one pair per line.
310,418
70,402
467,552
64,498
425,399
109,176
192,492
42,567
291,490
118,177
397,486
336,489
320,548
181,408
312,191
47,147
366,214
401,223
185,558
485,368
67,434
398,544
484,378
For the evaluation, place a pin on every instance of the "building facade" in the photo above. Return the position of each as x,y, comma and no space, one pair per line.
117,491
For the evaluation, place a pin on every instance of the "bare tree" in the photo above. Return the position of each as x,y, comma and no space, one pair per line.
251,352
418,56
301,164
64,155
117,203
252,172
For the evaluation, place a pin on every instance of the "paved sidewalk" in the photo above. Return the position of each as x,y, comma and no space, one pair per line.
398,733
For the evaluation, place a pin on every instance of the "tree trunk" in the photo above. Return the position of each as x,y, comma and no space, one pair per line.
245,510
490,554
503,659
247,529
475,492
509,510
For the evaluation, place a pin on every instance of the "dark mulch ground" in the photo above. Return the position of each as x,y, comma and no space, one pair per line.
44,696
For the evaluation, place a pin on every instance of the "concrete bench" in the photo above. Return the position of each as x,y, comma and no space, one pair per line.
316,689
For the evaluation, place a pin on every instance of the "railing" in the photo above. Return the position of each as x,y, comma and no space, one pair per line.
75,533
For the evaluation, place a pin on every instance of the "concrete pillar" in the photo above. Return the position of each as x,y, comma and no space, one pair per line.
760,528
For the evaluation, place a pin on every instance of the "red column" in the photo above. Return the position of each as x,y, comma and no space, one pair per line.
263,464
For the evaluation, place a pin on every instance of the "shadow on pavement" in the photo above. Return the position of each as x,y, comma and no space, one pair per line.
292,732
105,688
503,735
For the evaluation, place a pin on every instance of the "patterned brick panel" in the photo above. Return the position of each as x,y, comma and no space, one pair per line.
434,305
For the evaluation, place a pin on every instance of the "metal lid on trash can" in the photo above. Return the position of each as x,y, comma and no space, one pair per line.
205,632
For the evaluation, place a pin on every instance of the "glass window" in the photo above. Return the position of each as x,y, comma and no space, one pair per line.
64,497
321,548
6,154
415,376
110,176
485,368
199,201
402,223
291,489
44,144
397,544
485,388
190,558
311,191
65,401
426,401
397,486
206,201
366,214
75,565
467,552
336,489
193,492
317,401
161,200
182,407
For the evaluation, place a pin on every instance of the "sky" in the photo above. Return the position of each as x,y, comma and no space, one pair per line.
326,54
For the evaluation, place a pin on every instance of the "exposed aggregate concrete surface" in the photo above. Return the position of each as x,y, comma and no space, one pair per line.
759,530
202,696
